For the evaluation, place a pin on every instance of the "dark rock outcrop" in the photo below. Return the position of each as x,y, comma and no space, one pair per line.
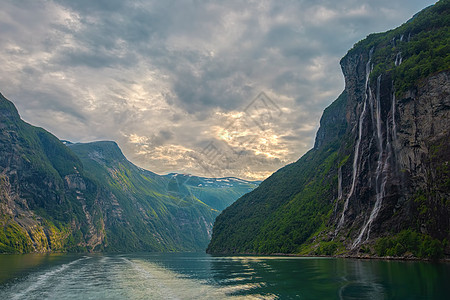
377,181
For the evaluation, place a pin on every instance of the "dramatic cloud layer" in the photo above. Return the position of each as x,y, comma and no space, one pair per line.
178,83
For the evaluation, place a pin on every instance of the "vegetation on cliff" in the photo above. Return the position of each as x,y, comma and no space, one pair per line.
413,51
89,197
289,206
377,161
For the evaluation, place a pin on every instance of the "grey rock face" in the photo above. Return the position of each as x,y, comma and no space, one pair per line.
398,172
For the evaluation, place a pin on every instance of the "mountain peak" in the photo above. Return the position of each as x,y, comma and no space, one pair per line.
377,177
100,150
7,109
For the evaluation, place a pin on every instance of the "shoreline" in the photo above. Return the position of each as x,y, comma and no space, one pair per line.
346,256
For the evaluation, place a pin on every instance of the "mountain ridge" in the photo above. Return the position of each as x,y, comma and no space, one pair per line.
376,181
58,196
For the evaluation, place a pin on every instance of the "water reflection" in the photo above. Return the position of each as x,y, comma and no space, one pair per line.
316,278
360,282
201,276
13,265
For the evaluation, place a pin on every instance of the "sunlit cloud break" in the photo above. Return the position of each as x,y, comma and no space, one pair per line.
165,79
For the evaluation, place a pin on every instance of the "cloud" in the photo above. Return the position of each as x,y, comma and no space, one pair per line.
166,78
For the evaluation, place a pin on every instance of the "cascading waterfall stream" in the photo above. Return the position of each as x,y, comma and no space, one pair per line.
382,166
379,134
394,125
358,143
355,167
340,183
339,189
398,59
384,156
378,186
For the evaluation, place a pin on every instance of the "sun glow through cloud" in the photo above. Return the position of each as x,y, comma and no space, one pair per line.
165,80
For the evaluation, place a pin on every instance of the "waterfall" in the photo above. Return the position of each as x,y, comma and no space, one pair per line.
401,38
393,132
393,41
371,105
339,189
394,126
378,108
340,183
398,59
358,143
355,167
382,170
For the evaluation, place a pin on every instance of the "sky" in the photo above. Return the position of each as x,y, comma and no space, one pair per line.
211,88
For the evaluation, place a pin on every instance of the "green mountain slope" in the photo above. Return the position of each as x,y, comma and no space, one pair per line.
279,215
377,180
57,196
37,209
141,214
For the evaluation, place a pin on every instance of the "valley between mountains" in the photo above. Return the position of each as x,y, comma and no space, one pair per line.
375,184
59,196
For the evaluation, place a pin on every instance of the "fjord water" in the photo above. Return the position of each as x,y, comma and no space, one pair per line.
201,276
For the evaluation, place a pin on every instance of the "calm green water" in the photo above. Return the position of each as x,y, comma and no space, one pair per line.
201,276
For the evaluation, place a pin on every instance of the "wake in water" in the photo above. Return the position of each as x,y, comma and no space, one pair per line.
200,276
123,278
35,287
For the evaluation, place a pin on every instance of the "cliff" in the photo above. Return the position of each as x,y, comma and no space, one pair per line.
377,181
43,191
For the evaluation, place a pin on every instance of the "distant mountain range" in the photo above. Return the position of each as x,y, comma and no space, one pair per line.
377,182
62,196
218,193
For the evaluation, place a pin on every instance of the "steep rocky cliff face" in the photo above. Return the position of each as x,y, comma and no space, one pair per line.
397,174
46,202
377,181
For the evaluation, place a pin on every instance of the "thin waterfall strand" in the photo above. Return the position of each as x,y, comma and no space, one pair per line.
358,143
340,183
398,59
382,165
